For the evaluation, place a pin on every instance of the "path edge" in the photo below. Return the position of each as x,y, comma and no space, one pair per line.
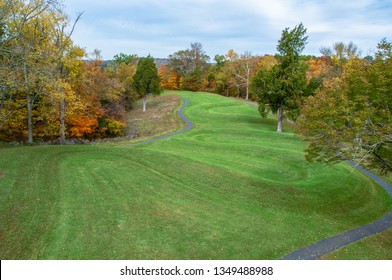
189,125
331,244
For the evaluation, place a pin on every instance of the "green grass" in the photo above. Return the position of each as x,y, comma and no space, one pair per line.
377,247
231,188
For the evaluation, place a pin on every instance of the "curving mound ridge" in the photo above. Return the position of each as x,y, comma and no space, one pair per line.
229,188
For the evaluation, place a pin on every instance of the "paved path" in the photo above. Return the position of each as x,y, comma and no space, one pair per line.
189,125
333,243
330,244
326,246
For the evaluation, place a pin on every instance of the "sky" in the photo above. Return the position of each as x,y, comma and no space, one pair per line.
162,27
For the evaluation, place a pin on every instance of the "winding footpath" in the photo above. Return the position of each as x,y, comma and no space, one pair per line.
333,243
189,125
328,245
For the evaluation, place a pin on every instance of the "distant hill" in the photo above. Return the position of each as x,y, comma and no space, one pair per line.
158,62
161,61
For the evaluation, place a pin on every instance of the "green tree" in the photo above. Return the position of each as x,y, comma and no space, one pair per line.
220,61
146,80
350,117
122,59
280,89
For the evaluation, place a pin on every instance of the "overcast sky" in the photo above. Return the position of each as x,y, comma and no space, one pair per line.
162,27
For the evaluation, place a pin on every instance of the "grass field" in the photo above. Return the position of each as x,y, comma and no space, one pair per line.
230,188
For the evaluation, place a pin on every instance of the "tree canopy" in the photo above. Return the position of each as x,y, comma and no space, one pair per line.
48,90
191,64
350,117
280,88
146,80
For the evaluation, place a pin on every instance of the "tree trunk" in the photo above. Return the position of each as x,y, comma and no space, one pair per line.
247,83
62,120
29,108
247,90
62,104
144,102
280,119
29,119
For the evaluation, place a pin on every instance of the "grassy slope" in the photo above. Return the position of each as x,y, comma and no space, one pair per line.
377,247
230,188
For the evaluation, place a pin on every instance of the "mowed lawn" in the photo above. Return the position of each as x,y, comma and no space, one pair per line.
230,188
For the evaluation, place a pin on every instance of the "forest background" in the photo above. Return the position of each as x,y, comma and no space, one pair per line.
53,92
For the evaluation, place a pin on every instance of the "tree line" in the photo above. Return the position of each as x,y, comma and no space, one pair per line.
340,101
228,74
349,117
51,90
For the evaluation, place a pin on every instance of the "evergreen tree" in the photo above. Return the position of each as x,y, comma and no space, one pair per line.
281,87
146,80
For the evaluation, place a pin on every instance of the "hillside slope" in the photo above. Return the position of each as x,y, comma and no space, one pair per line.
230,188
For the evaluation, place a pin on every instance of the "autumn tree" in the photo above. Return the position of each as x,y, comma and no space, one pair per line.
121,71
47,91
104,94
164,75
267,62
25,47
37,42
341,52
350,116
318,68
227,81
169,79
64,54
174,81
10,29
337,56
192,65
146,80
281,88
34,50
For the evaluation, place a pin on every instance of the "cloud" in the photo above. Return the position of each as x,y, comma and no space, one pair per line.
164,27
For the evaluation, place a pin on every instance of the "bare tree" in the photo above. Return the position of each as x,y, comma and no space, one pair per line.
242,69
